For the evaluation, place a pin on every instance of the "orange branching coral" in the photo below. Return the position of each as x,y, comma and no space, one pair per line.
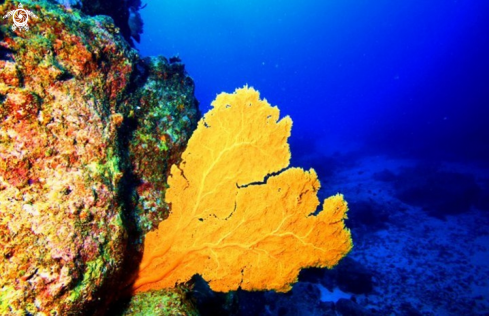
237,218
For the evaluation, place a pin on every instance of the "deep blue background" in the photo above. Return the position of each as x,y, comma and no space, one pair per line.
408,78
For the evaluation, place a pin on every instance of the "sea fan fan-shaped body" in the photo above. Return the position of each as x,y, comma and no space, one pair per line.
238,217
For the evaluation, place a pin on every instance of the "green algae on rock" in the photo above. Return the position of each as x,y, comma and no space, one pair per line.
175,302
157,143
78,108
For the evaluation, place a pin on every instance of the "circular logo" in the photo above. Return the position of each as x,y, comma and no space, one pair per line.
20,17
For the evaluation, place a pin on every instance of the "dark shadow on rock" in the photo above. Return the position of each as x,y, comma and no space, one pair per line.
408,310
304,298
346,307
210,303
439,193
353,277
349,276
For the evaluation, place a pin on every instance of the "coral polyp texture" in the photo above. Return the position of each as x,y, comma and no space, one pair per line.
240,216
77,105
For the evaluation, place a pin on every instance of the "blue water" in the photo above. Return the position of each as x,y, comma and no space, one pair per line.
406,77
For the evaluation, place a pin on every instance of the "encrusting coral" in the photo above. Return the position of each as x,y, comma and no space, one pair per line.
84,124
238,217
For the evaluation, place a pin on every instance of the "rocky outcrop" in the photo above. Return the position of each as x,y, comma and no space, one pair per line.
87,132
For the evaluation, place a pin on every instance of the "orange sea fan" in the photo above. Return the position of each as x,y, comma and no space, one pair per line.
238,218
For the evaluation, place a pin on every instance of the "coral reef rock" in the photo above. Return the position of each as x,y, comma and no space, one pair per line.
124,13
85,126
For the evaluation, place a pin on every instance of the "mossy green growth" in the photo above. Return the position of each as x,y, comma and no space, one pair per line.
161,303
109,170
7,295
93,271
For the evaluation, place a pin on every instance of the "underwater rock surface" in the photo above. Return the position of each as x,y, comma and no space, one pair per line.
87,133
125,14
